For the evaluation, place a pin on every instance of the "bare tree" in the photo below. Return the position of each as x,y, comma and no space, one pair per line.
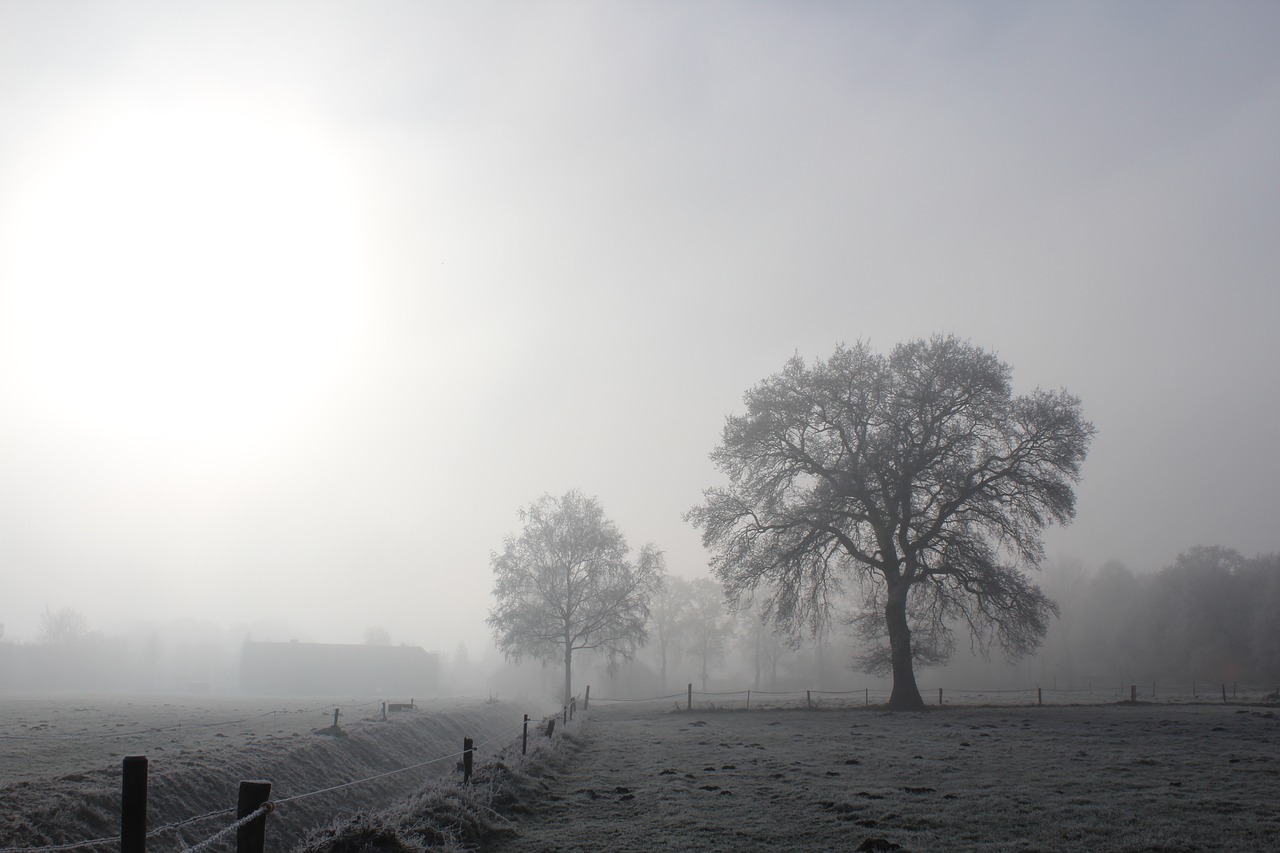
761,643
707,627
376,635
564,584
666,621
63,627
919,477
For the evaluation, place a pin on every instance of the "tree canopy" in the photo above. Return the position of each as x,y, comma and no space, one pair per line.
564,583
918,479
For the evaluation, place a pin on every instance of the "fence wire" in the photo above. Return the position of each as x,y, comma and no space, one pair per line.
225,831
263,809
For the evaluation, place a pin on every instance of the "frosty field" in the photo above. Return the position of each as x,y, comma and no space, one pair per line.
1122,776
1105,777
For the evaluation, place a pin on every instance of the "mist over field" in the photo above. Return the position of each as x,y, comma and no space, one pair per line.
301,304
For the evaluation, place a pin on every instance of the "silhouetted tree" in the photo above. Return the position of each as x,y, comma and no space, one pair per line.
564,583
918,476
1265,601
666,621
707,627
64,627
761,643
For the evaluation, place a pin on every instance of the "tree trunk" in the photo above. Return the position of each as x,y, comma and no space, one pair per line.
759,641
905,695
568,663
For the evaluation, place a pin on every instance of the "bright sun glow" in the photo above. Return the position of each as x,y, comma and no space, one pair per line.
188,280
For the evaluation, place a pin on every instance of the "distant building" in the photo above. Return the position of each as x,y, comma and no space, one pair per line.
329,669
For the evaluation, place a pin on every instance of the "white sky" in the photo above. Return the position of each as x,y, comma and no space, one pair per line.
299,303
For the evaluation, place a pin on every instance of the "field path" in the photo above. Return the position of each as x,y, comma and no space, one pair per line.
1121,777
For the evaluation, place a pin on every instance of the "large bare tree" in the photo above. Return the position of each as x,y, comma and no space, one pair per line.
917,479
564,584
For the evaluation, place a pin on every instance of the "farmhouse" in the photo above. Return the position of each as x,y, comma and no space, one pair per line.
327,669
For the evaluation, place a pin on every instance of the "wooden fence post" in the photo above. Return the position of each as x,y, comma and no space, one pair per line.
939,695
566,715
1133,693
866,695
467,751
524,738
1039,696
808,698
551,726
748,700
690,705
384,711
252,837
133,805
586,700
1224,694
335,718
573,707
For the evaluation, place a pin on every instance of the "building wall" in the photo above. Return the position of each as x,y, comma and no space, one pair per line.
315,669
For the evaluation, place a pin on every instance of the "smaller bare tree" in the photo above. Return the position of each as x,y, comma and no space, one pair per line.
565,584
64,627
707,625
761,642
666,621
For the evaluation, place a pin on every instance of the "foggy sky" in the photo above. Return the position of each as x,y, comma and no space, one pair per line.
299,303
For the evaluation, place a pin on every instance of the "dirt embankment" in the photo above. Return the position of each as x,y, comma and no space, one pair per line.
198,772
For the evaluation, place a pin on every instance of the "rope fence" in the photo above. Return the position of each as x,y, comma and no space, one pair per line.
254,803
1223,692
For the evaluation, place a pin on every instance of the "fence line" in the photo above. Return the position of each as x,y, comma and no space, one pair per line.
260,811
1216,692
176,825
354,782
645,699
270,805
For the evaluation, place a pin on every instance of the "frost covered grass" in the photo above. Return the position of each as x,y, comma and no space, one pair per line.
60,777
449,816
1131,777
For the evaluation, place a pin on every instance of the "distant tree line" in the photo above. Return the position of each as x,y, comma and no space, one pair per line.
1213,615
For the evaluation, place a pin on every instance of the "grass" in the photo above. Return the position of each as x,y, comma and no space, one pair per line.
446,815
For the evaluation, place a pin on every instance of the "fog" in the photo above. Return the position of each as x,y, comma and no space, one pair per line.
300,303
